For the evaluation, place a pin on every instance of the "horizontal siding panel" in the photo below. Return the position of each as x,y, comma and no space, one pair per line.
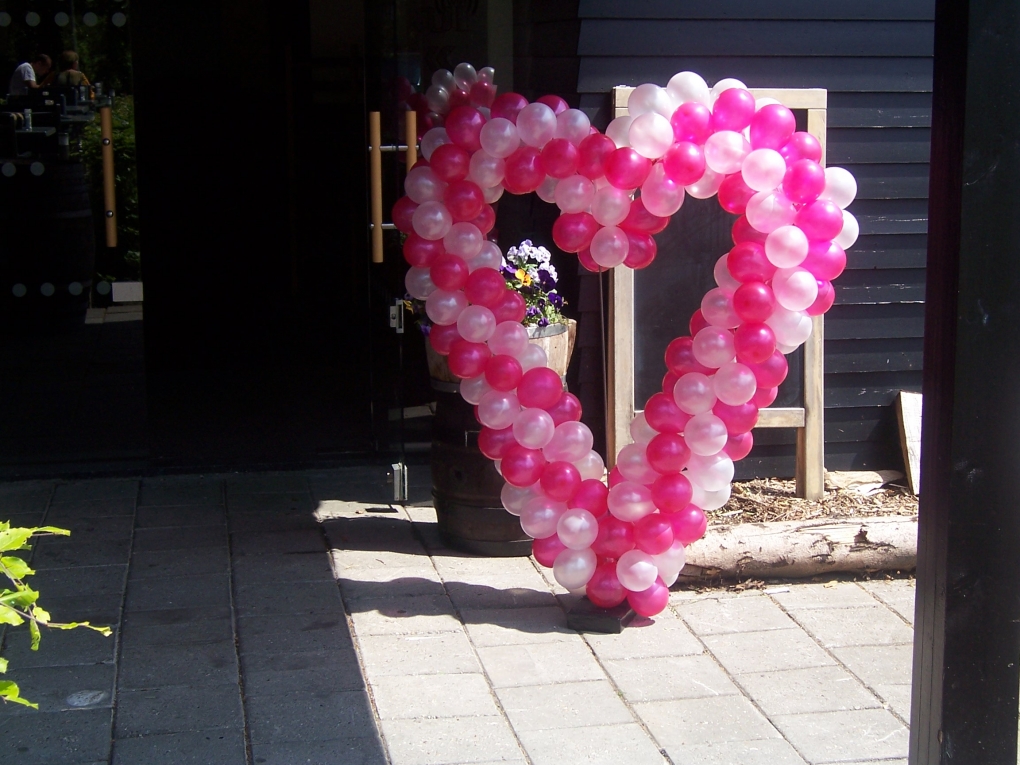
841,426
871,322
877,117
779,461
880,224
891,354
867,146
908,251
911,10
625,37
902,181
885,75
878,294
868,388
545,40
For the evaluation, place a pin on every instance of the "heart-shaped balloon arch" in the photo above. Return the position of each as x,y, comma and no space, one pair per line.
626,541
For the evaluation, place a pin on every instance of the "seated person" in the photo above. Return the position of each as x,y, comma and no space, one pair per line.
68,75
24,78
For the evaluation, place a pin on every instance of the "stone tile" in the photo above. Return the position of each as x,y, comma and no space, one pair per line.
716,720
670,677
57,738
59,514
433,696
869,734
181,490
321,597
396,616
208,590
224,747
830,595
645,638
271,522
315,672
296,567
300,632
898,594
598,745
450,740
469,568
91,529
500,592
177,709
98,489
357,562
24,520
51,553
96,609
751,613
180,539
349,751
877,665
539,664
176,616
26,496
79,582
59,648
277,543
377,583
265,483
443,653
164,516
56,689
158,564
308,716
762,752
371,533
896,698
158,666
766,651
184,633
795,691
870,625
517,626
288,503
563,705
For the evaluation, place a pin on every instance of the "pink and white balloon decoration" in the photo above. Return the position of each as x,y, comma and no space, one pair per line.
615,191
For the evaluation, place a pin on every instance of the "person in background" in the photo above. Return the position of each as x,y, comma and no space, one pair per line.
68,75
24,78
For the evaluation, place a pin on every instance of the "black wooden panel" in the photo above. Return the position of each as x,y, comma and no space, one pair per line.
620,37
866,322
602,74
892,216
779,461
545,39
878,251
540,11
868,388
848,146
893,354
842,426
918,10
878,117
891,181
856,294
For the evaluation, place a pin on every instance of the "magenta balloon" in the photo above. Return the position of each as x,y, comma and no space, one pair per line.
754,343
524,171
560,158
573,232
820,220
772,126
626,169
561,481
684,163
738,446
801,146
546,550
771,372
734,194
464,126
449,272
733,110
468,359
653,534
825,260
764,397
494,443
604,589
804,181
692,122
826,297
747,263
754,301
503,372
653,600
521,466
689,524
739,418
672,493
667,453
540,387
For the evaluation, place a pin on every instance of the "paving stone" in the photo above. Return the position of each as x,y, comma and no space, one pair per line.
517,626
499,592
59,648
171,616
223,747
720,719
178,592
750,613
287,503
26,496
24,520
181,490
190,632
158,666
347,751
539,664
396,616
433,695
265,483
818,689
399,655
317,672
897,699
50,553
377,583
55,689
372,533
180,539
271,521
450,740
831,595
762,752
98,489
91,529
295,632
644,638
358,561
293,567
79,582
766,651
265,598
870,625
65,512
96,609
898,594
164,516
177,709
277,543
597,745
563,705
306,715
165,563
57,738
670,677
868,734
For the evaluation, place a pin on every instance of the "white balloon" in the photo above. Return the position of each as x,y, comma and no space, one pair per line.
432,140
419,283
536,124
472,389
514,498
640,430
619,131
723,277
848,235
573,125
591,466
649,98
707,186
575,194
688,86
840,186
636,570
763,169
486,170
533,356
630,501
574,568
671,562
465,76
444,78
726,84
577,528
725,151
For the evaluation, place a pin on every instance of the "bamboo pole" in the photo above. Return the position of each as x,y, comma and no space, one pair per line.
375,171
109,178
411,137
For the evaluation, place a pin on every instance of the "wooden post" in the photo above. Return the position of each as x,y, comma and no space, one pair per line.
620,385
109,175
375,177
811,438
411,137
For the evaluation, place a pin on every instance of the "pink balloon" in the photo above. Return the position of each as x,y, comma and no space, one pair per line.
521,466
804,181
464,126
734,194
771,372
567,409
573,232
546,550
653,600
524,171
485,286
801,146
604,589
820,220
494,443
449,272
738,419
507,106
653,534
667,453
753,301
672,493
662,414
826,297
561,481
615,537
733,110
772,126
825,260
738,446
540,387
503,372
468,359
450,162
593,496
689,524
560,158
684,163
626,169
754,343
692,122
592,153
747,262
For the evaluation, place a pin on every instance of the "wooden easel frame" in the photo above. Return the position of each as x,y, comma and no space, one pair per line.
809,420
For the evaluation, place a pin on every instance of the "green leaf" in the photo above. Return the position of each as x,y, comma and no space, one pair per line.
9,691
104,631
23,598
3,665
14,539
16,567
52,530
33,630
9,616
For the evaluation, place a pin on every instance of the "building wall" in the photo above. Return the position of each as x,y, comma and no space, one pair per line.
875,59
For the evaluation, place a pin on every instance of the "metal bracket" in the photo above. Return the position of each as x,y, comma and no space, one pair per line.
397,316
398,477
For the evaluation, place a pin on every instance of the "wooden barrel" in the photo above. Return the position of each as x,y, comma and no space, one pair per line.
47,249
465,485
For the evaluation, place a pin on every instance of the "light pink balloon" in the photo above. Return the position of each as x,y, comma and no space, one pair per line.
636,570
711,472
508,339
431,220
463,239
786,246
570,442
514,498
734,384
650,134
661,195
574,568
609,246
707,186
474,388
633,464
418,283
476,323
705,434
574,194
795,288
767,211
533,428
423,185
573,125
713,347
486,170
591,466
540,515
725,151
498,409
577,529
610,206
445,307
499,137
640,430
432,140
536,124
630,501
694,393
717,308
763,169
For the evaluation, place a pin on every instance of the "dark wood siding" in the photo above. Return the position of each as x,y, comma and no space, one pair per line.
875,59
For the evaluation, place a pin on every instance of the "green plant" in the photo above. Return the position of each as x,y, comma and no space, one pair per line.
19,602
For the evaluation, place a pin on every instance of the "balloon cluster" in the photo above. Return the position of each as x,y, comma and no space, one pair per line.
615,191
